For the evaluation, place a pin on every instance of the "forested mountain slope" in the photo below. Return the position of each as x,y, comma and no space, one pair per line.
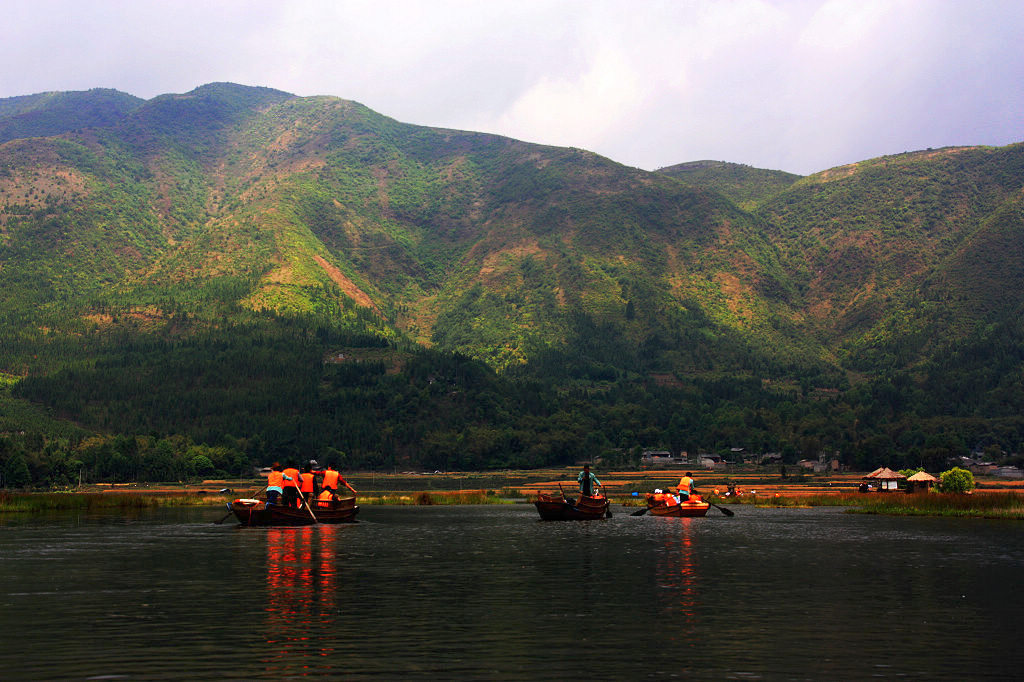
745,185
889,251
53,113
274,275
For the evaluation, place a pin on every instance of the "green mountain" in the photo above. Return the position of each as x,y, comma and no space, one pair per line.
745,185
239,274
54,113
895,255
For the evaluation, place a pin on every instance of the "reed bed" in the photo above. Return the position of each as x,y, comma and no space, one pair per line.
41,502
984,505
800,501
424,498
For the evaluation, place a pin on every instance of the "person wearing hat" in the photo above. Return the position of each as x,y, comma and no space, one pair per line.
275,484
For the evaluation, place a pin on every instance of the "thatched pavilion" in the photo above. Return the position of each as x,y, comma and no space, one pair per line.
921,482
885,477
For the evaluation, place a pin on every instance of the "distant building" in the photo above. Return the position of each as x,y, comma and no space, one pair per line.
885,478
662,459
708,461
922,481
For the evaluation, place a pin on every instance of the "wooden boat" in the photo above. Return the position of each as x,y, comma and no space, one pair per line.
558,508
665,505
252,512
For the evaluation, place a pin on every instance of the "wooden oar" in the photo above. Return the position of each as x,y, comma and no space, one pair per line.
308,508
727,512
640,512
230,512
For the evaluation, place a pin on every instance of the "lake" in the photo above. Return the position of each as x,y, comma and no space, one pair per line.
491,592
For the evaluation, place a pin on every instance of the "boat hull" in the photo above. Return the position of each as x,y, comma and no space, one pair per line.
695,507
256,513
553,508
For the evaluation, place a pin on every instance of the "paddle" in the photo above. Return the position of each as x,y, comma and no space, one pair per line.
566,500
640,512
727,512
225,518
308,508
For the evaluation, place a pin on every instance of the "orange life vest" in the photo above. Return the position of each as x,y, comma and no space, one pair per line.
325,498
292,474
307,483
331,478
686,483
275,479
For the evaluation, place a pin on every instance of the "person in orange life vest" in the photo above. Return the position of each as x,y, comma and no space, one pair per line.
326,498
685,487
275,484
332,478
307,484
290,497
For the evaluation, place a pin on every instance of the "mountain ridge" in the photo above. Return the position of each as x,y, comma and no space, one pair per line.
232,207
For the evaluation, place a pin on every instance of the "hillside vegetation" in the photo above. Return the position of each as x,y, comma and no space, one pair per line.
210,280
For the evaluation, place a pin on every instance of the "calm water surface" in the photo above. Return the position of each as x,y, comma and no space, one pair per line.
493,593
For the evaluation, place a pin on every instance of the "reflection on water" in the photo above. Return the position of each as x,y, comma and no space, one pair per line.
491,592
677,571
300,600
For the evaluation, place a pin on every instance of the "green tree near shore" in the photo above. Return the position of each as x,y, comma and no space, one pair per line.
956,480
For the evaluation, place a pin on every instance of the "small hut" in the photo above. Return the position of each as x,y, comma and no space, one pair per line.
921,482
885,477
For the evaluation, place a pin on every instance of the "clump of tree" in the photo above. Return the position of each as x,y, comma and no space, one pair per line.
956,480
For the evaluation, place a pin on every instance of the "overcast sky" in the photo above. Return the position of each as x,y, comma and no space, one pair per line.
800,85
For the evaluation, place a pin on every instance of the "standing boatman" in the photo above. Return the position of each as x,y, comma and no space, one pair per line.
275,484
290,497
685,487
588,482
308,483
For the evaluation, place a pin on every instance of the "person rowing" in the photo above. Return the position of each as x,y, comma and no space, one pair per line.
275,484
685,487
290,496
588,482
308,484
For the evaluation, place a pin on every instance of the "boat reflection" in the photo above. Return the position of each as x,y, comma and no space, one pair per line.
301,600
677,574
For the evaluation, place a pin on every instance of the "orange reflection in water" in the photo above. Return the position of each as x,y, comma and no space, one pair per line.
677,574
301,599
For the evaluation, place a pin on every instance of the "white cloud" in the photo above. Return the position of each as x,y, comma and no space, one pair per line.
578,110
799,85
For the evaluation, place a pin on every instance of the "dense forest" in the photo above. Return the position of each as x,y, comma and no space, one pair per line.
198,284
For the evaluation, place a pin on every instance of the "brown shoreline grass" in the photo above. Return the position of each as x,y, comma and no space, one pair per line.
986,503
38,502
